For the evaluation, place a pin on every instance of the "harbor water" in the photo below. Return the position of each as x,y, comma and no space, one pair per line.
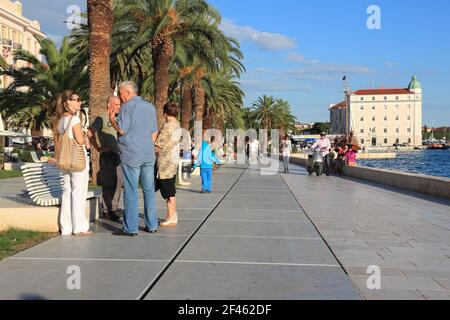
429,162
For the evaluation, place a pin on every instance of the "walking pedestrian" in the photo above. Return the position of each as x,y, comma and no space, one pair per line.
286,145
206,160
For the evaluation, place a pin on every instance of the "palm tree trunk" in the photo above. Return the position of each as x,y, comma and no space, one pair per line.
186,109
208,117
100,20
162,52
199,101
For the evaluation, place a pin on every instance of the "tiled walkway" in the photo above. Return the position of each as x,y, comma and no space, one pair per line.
256,237
248,240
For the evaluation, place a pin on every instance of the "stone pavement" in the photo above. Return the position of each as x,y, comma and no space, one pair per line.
404,233
248,240
256,237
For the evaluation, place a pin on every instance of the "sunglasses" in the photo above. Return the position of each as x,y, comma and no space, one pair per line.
75,99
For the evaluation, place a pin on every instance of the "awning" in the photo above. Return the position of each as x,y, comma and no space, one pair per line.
13,134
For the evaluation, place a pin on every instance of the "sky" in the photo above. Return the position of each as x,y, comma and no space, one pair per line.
300,50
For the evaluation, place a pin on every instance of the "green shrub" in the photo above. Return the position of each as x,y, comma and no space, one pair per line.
25,156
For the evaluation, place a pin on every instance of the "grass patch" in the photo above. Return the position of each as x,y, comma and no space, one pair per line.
15,240
6,174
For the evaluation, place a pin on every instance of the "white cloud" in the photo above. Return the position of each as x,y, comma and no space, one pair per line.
272,86
390,64
264,40
299,58
295,57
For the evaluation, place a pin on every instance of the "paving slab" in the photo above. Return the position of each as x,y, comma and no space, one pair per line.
215,281
100,280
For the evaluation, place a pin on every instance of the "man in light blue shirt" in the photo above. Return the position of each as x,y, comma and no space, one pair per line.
138,130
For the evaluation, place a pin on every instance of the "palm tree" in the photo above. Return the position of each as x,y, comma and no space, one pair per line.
224,101
266,111
100,21
286,120
39,84
164,25
34,118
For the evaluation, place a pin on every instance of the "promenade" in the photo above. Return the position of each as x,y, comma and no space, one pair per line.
256,237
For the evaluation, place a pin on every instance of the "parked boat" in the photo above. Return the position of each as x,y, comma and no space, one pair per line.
438,146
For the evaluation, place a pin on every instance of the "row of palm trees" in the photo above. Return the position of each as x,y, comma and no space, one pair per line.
173,49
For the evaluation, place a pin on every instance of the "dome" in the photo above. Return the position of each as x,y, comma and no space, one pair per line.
414,84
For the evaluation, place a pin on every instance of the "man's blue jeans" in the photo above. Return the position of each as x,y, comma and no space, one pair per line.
131,176
206,175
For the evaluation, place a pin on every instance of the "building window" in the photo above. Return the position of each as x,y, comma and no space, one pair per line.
385,98
374,130
396,118
408,130
409,140
362,99
409,118
362,119
373,108
385,130
385,118
362,108
397,130
373,119
396,98
362,131
397,106
373,98
385,141
385,107
362,141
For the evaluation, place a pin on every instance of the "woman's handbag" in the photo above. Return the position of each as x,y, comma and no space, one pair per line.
71,155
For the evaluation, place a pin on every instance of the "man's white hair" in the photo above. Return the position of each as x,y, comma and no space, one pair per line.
129,85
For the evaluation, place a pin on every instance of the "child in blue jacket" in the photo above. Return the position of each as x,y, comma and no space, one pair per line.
206,160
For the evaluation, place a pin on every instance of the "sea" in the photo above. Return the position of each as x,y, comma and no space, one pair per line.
429,162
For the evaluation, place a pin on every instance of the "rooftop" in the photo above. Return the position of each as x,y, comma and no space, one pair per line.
366,92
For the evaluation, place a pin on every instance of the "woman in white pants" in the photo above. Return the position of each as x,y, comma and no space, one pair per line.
286,151
73,206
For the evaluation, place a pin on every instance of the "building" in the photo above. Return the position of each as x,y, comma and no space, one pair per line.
381,117
304,126
16,32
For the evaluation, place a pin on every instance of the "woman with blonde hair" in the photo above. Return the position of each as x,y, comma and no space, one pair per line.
73,206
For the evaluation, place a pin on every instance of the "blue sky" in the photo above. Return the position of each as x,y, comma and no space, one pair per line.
300,50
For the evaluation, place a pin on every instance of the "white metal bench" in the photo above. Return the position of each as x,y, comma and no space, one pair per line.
45,183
